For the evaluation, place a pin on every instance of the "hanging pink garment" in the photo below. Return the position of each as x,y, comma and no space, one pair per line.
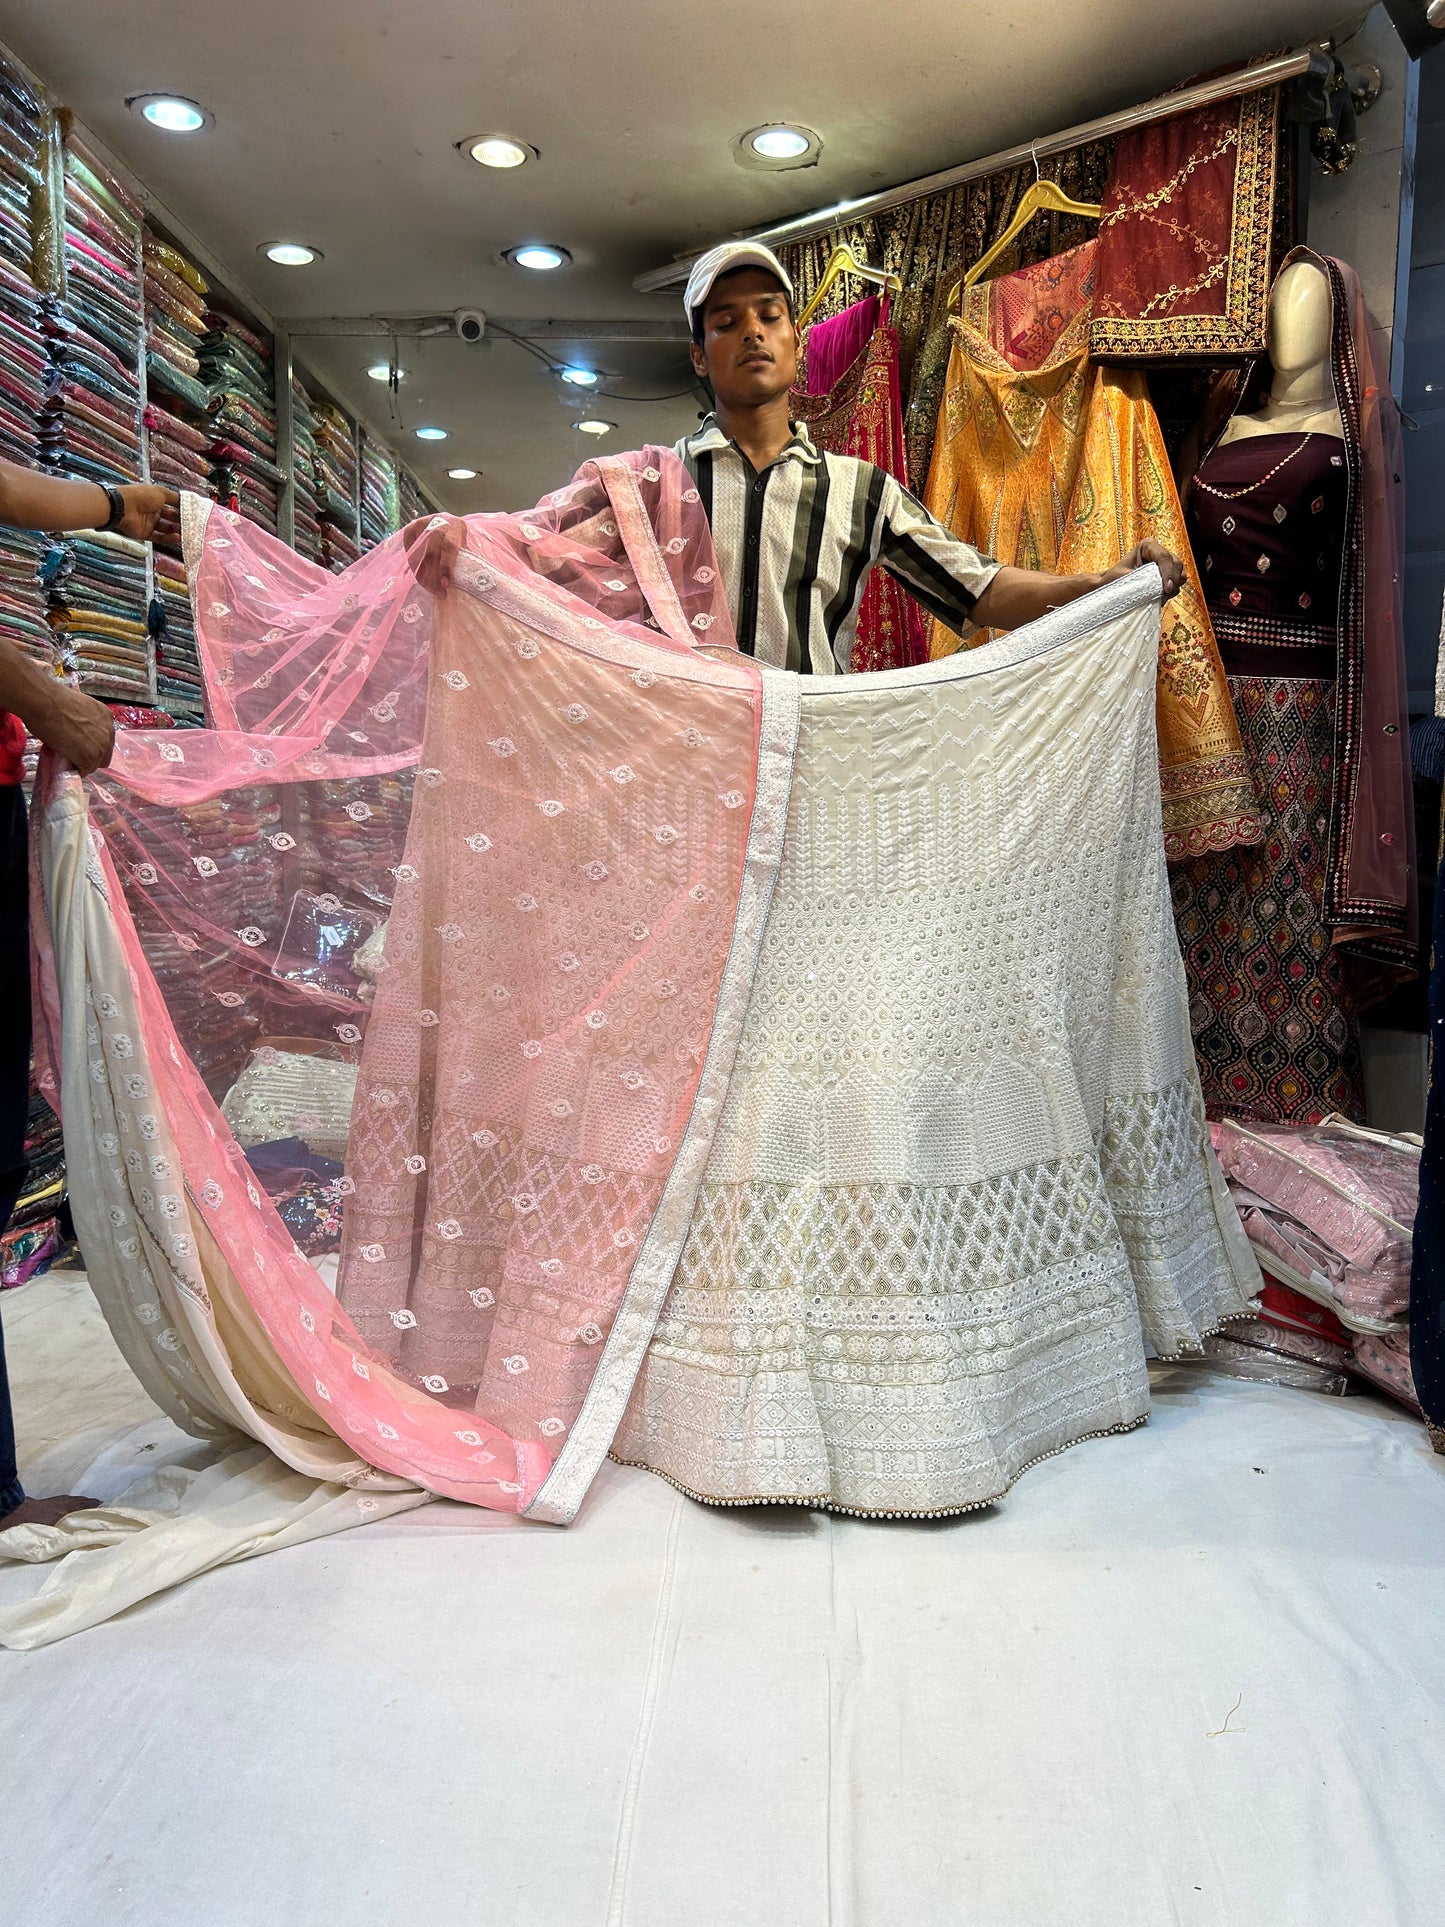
851,400
537,1079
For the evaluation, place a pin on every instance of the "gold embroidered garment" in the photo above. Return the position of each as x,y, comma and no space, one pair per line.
1049,460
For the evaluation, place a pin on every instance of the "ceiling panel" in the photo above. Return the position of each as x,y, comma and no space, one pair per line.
335,123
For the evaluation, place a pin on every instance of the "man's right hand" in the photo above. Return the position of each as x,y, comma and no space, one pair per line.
149,510
75,726
432,548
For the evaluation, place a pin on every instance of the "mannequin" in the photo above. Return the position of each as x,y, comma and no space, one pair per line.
1301,398
1275,1023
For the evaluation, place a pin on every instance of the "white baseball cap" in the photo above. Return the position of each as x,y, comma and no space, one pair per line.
722,260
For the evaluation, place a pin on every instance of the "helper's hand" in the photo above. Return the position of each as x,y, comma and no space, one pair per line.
1168,564
74,725
432,548
149,511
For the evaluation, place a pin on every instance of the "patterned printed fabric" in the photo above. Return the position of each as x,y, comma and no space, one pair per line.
1275,1028
859,411
1047,460
1184,243
963,1155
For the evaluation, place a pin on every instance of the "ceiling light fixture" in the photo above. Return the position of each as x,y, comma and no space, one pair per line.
498,150
581,377
462,474
290,254
540,256
778,145
383,371
172,113
431,434
594,426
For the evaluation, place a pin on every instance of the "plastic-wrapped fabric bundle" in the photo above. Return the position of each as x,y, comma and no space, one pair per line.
410,501
236,366
175,310
93,414
1329,1209
1333,1205
379,506
335,485
32,1238
303,472
96,586
22,349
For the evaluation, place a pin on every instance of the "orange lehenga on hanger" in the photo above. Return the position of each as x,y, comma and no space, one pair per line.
1049,460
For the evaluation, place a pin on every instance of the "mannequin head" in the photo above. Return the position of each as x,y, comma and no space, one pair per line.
1299,320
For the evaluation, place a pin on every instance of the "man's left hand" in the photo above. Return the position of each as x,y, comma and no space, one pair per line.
1168,565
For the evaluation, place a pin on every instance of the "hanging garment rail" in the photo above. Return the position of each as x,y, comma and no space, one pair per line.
804,227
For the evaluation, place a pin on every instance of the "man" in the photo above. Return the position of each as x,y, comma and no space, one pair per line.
80,729
796,531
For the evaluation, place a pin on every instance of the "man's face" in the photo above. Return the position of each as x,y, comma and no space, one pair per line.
749,346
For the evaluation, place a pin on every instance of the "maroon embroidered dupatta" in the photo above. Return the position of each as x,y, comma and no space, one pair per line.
860,412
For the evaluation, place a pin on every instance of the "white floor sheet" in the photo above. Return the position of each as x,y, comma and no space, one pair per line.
1195,1674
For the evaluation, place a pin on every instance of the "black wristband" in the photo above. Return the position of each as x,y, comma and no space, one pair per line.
117,506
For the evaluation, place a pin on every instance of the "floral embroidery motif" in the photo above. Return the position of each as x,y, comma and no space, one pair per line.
551,807
516,1363
478,841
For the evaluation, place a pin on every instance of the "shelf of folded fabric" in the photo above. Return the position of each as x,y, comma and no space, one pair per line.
23,360
178,450
90,424
34,1237
22,599
176,294
180,689
379,498
238,370
410,503
96,594
303,471
335,484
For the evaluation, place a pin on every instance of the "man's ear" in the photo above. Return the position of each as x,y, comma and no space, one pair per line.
699,362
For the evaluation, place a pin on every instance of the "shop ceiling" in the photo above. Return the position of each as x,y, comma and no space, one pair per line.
335,123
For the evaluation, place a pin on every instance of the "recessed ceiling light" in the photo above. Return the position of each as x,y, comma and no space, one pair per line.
498,150
462,474
594,427
291,254
171,112
540,256
431,434
383,371
779,144
581,377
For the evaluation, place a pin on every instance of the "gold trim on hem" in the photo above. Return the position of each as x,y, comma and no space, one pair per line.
821,1502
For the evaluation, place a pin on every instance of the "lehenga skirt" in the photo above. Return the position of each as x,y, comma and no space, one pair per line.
962,1181
1275,1028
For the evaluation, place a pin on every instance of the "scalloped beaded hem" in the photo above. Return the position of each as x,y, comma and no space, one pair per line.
817,1502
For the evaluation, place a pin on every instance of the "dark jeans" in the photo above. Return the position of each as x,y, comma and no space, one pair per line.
1427,1278
14,1070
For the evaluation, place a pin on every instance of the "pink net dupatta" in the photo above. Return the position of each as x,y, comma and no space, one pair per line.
486,871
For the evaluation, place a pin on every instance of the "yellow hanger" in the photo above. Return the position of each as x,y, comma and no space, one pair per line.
844,261
1044,197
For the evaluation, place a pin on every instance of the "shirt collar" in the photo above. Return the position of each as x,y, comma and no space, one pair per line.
710,439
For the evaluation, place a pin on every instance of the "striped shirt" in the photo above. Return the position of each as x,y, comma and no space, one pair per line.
796,541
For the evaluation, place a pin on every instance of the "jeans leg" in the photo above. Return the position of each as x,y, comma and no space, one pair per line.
14,1070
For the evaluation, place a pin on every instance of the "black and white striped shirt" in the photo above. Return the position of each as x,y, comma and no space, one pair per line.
796,541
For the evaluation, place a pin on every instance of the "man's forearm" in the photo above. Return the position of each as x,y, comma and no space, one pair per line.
1017,596
29,500
26,688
